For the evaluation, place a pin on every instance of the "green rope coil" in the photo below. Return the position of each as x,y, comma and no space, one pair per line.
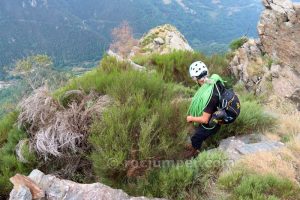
203,96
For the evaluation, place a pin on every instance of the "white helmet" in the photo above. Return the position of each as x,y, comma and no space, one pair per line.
198,69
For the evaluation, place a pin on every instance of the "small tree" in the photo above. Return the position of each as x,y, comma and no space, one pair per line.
37,71
31,73
123,40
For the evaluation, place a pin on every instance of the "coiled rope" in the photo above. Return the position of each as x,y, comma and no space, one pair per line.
203,96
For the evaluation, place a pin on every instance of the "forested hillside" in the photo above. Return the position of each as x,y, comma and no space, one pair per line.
78,32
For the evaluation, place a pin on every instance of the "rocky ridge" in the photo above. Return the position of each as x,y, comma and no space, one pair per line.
162,39
270,64
279,31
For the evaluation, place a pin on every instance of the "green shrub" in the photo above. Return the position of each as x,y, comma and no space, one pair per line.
237,43
99,79
109,63
183,180
175,66
244,184
144,123
6,124
9,164
268,61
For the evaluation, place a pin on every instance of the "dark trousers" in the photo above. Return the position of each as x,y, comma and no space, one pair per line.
202,134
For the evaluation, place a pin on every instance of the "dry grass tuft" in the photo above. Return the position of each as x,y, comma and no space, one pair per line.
281,162
54,129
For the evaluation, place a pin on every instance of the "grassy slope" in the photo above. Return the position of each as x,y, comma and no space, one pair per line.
146,123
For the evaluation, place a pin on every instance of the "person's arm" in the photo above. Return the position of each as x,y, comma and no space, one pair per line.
203,119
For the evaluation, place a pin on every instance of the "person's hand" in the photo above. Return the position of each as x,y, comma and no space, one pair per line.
189,119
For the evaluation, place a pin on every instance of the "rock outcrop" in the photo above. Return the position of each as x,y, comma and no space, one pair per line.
237,147
48,187
163,39
271,65
279,31
119,58
248,64
56,189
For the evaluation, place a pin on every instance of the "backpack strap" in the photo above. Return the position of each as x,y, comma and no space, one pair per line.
223,102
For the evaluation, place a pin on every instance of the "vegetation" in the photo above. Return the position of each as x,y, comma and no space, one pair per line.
174,66
150,124
71,39
144,127
244,184
252,118
123,40
37,71
30,73
237,43
9,163
6,124
189,180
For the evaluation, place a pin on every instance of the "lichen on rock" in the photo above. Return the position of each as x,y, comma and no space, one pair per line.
163,39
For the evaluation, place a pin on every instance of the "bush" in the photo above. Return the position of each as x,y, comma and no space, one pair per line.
244,184
6,124
237,43
144,123
109,63
175,66
183,181
9,164
97,80
30,73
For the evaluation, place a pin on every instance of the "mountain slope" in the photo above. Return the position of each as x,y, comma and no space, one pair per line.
76,31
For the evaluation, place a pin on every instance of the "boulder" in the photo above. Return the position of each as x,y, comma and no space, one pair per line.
56,188
22,193
236,147
22,185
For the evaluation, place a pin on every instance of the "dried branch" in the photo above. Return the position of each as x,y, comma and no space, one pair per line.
54,129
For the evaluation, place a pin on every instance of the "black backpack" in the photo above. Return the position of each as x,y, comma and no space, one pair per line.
229,107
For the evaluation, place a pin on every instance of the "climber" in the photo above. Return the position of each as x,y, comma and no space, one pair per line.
206,111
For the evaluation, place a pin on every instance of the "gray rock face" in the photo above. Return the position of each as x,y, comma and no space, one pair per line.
236,147
57,189
243,58
261,146
23,193
296,97
279,30
271,65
